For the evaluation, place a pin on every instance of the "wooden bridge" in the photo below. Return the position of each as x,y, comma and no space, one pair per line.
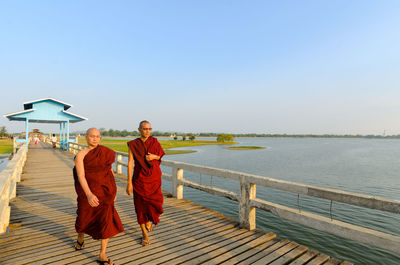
41,229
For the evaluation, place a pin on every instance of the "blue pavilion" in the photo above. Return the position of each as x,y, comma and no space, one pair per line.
47,110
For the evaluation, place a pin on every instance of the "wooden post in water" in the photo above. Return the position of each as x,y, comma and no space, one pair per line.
177,188
247,214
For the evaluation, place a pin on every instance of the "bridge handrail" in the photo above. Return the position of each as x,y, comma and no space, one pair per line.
248,201
8,185
367,201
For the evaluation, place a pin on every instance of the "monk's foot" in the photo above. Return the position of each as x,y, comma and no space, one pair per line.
145,241
149,227
79,245
105,262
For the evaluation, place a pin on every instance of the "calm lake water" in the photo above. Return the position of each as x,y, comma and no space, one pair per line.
366,166
3,162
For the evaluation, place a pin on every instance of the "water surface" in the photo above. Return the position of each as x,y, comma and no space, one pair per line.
3,162
367,166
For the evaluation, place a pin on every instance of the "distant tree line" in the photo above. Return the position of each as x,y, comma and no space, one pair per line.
192,136
304,135
126,133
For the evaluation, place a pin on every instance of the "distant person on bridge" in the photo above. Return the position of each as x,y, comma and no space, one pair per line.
97,191
144,181
54,140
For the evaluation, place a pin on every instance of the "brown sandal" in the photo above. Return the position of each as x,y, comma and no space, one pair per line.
103,262
81,245
145,242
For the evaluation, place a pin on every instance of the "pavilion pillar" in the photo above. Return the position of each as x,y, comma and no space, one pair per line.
64,138
27,133
67,135
60,135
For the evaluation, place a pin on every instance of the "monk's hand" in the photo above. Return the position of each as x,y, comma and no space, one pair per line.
150,157
93,200
129,189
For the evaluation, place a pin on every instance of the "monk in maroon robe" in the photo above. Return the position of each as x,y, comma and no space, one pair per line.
97,191
145,182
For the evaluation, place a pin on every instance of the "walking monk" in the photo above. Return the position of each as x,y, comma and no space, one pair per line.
146,151
96,189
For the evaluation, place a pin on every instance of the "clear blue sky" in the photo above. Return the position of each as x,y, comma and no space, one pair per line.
207,66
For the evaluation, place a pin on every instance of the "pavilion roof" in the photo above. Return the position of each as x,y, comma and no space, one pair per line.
45,110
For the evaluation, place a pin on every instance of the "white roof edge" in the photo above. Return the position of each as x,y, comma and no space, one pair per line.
42,99
76,115
18,112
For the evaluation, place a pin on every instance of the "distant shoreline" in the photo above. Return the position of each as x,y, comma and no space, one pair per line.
274,137
292,137
304,137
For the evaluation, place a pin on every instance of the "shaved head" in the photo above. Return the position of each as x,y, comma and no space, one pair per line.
143,122
145,129
93,137
92,130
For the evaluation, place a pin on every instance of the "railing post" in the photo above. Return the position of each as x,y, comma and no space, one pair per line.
20,167
14,145
247,214
177,189
13,182
119,166
5,209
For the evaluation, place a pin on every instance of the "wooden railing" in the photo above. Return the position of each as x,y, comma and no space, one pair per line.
8,184
248,202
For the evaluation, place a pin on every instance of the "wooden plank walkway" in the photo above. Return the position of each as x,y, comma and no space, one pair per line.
43,215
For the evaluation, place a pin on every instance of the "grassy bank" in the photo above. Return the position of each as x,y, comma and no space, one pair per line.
244,147
167,145
6,146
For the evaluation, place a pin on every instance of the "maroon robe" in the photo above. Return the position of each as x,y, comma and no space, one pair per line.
146,180
103,221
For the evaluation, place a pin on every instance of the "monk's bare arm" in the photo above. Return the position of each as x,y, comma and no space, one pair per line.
129,186
157,156
80,170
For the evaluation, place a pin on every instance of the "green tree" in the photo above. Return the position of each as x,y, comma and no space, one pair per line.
183,137
191,136
225,138
124,133
3,131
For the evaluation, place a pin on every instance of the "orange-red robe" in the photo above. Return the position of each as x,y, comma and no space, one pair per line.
146,180
103,221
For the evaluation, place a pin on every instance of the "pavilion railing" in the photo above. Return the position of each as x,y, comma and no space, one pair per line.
248,202
8,184
16,145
